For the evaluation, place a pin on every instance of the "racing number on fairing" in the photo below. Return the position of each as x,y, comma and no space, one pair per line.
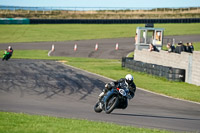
121,91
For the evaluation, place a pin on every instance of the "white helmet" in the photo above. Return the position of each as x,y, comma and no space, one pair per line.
9,47
129,78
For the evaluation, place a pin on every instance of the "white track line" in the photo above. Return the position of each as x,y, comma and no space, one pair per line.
137,87
128,54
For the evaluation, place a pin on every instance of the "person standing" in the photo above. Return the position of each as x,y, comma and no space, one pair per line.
135,38
170,47
191,47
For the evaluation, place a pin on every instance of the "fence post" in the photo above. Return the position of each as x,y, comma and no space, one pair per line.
189,73
173,41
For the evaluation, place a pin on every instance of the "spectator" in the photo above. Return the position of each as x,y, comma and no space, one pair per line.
135,38
152,48
191,47
187,48
171,48
183,47
180,47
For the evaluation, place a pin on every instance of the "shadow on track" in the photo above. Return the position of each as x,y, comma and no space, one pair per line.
45,78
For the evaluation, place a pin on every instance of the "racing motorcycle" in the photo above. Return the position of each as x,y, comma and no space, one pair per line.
116,98
6,55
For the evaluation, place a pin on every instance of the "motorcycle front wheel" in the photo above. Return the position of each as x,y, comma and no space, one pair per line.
97,108
111,103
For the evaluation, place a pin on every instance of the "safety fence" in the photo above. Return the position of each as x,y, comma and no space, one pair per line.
94,21
112,21
170,73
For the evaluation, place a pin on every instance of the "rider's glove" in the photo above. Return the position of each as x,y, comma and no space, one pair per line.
129,97
106,85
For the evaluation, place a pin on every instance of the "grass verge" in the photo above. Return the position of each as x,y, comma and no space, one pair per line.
112,68
23,123
65,32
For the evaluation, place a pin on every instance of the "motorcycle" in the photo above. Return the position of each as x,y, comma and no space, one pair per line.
116,98
6,55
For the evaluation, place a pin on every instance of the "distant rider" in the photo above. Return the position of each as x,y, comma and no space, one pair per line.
10,50
8,53
126,82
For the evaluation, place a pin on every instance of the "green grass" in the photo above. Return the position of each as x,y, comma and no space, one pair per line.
23,123
112,68
131,54
196,46
65,32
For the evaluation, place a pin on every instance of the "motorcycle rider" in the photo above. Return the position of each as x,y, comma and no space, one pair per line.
126,82
10,51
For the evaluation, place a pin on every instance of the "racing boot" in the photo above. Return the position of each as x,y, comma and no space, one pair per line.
101,95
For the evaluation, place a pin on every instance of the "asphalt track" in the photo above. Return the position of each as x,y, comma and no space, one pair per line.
52,88
86,48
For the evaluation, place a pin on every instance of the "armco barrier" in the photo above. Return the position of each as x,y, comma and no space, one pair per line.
172,74
112,21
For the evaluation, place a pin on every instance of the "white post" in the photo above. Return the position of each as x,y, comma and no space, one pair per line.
173,43
75,47
117,46
52,50
96,47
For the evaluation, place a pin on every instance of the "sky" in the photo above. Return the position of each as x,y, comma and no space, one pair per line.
102,3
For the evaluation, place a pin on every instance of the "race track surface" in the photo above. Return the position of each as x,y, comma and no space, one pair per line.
86,48
51,88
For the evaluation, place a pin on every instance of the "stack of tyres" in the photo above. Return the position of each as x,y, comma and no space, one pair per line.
176,74
164,71
137,65
151,69
142,67
157,70
148,67
131,64
133,67
172,74
128,64
179,74
123,61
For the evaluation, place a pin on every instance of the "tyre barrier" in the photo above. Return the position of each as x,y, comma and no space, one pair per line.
170,73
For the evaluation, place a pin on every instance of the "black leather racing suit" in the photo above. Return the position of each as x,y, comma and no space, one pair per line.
121,83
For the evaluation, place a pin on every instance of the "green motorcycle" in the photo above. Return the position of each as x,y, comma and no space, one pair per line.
6,55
